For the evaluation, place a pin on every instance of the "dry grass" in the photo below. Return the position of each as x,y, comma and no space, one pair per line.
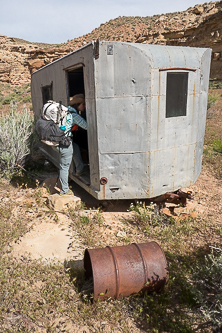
213,136
36,297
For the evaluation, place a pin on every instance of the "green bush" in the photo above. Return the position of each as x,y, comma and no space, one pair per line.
215,85
15,131
217,146
8,99
27,99
212,99
16,95
207,288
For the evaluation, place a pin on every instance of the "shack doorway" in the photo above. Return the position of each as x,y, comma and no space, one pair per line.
75,85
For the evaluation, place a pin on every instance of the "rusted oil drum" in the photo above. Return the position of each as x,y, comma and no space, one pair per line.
125,270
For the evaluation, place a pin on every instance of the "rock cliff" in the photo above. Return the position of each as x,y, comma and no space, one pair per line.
199,26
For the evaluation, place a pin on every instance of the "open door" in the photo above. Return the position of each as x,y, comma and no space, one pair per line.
75,85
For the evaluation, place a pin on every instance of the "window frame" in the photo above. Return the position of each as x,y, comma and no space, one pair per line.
47,92
176,93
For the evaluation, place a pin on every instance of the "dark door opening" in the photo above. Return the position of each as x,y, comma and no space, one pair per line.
75,81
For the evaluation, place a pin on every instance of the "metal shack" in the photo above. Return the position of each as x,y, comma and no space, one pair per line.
146,112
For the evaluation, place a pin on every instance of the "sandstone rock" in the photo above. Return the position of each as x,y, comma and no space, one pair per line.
35,65
174,34
18,48
160,36
59,203
198,10
216,55
121,234
199,26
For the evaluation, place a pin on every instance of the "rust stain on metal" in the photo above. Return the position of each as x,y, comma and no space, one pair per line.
194,92
103,181
177,68
104,192
148,187
125,270
116,271
194,152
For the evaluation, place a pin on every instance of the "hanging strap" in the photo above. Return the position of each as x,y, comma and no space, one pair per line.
47,108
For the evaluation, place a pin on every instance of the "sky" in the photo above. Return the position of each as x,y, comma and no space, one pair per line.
57,21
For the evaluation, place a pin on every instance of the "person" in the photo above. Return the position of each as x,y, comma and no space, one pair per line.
73,151
77,105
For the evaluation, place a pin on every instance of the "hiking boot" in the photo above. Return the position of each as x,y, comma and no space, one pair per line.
69,193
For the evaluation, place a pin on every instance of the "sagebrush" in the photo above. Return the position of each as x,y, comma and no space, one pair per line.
207,288
15,132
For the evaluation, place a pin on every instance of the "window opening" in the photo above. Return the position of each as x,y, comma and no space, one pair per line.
47,93
176,94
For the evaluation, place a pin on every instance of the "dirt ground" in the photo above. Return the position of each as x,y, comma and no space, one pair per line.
53,240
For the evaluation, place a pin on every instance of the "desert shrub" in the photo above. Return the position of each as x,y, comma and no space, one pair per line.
26,99
212,99
217,146
7,99
207,288
215,85
17,95
15,131
145,216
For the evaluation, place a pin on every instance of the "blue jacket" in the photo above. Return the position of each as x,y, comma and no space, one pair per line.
73,118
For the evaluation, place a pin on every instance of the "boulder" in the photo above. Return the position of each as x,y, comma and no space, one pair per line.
198,10
35,64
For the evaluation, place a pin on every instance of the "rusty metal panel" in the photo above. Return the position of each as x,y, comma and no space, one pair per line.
125,270
126,174
124,73
56,73
176,168
115,134
172,56
169,144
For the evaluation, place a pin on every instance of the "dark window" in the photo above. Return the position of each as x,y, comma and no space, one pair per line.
176,94
47,93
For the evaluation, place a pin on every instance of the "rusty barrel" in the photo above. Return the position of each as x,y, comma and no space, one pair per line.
125,270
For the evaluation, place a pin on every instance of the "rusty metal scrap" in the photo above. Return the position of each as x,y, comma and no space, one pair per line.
125,270
177,197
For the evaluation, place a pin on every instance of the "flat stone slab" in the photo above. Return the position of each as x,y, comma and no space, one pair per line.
50,242
60,203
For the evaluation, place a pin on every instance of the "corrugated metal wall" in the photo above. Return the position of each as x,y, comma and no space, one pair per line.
131,142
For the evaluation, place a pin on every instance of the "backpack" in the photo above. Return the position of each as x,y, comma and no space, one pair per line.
48,126
55,111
